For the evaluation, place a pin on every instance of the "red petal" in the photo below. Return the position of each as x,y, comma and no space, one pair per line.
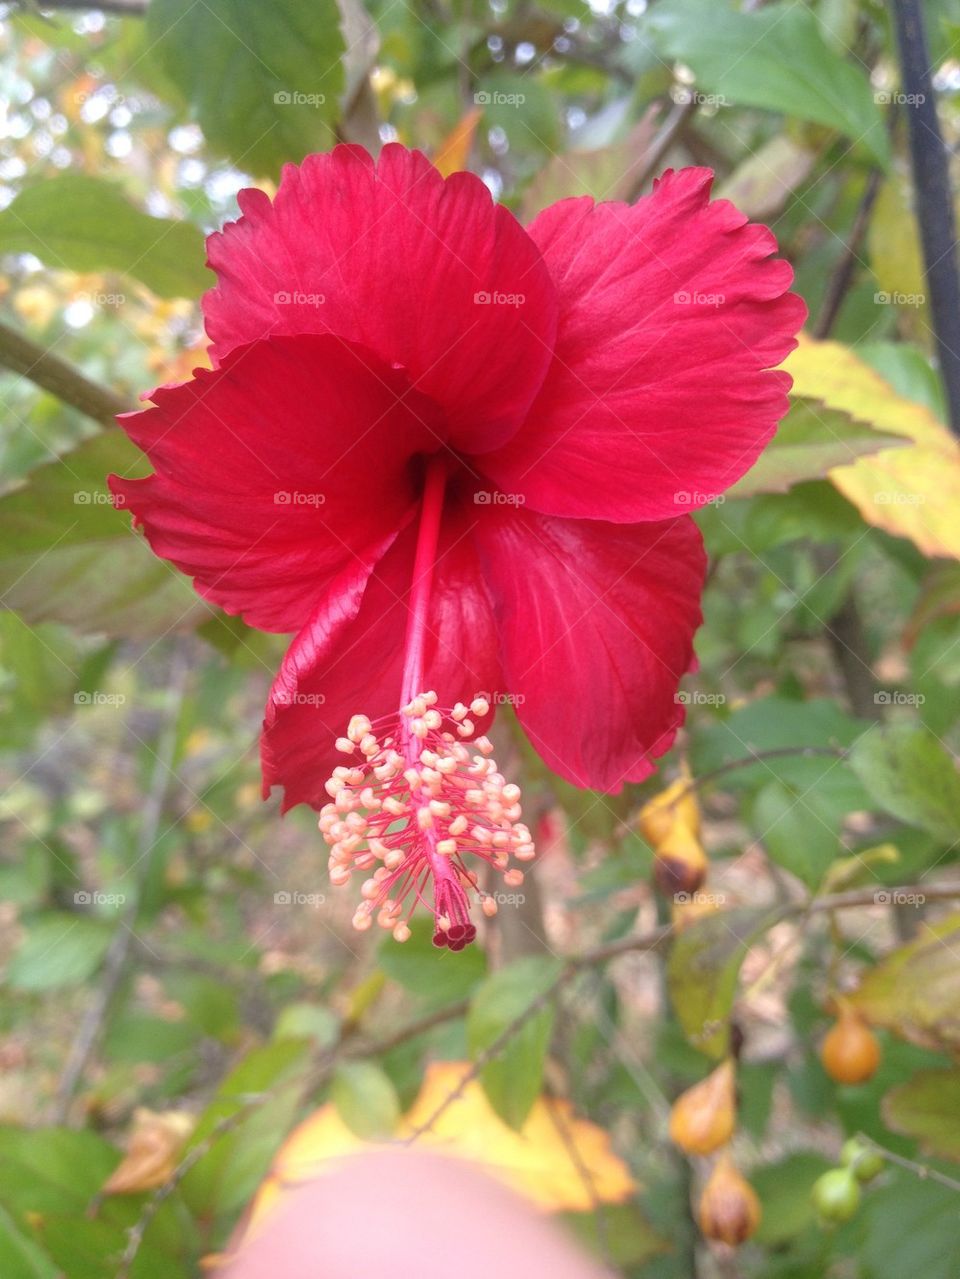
348,659
652,403
596,623
277,469
398,256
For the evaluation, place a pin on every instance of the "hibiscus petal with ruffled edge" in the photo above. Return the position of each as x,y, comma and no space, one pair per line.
427,272
348,659
277,469
596,627
673,311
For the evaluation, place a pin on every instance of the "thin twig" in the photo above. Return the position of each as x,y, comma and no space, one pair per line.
661,144
22,355
91,1027
920,1170
842,277
758,757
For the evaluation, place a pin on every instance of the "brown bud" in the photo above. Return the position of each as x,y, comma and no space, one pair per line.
680,865
702,1118
729,1207
850,1051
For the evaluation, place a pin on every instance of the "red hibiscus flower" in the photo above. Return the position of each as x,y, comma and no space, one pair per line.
457,457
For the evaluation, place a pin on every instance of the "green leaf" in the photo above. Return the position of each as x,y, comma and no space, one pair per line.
927,1107
774,58
366,1100
702,973
625,1238
20,1258
606,173
69,556
908,773
80,223
910,1228
437,976
59,950
88,1249
762,183
268,1084
47,1170
795,834
811,440
264,81
512,1081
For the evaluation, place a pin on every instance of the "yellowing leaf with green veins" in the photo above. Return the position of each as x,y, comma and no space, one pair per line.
915,991
927,1107
911,491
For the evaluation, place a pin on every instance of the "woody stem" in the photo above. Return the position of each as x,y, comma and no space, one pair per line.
425,557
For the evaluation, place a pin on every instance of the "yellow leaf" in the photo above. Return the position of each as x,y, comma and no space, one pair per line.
911,492
454,151
153,1151
537,1162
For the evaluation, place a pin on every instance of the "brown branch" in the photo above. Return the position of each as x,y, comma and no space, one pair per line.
22,355
842,277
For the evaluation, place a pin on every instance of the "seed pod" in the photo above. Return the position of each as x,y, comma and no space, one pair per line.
836,1195
702,1118
680,865
863,1161
850,1051
729,1208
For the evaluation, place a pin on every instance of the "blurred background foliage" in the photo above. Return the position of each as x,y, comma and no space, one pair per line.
176,968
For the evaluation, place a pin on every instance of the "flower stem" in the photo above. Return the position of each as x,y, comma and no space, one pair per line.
420,586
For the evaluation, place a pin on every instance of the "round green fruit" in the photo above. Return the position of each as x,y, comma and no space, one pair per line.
836,1195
